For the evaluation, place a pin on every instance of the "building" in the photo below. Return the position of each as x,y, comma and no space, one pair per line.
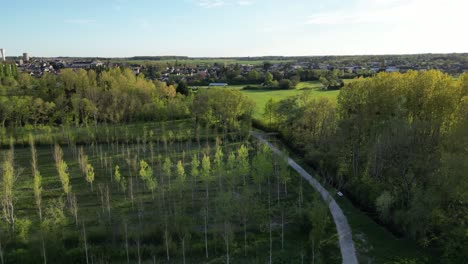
3,54
218,84
25,57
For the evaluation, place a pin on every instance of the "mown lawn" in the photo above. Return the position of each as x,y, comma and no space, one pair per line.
262,96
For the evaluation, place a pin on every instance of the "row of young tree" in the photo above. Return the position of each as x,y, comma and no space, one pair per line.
226,202
397,145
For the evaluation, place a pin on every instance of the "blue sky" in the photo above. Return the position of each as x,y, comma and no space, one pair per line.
122,28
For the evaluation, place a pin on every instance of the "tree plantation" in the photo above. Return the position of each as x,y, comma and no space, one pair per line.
159,201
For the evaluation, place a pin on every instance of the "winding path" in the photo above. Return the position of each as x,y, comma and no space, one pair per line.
348,252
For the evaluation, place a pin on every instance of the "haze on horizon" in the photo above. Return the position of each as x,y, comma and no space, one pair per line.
232,28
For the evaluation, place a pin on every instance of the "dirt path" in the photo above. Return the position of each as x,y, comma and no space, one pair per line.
348,252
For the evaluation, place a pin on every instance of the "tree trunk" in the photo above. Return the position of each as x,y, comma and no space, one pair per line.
166,241
126,244
282,229
44,255
138,251
85,243
245,237
206,232
1,252
183,249
227,250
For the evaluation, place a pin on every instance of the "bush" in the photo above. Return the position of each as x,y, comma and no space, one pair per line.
286,84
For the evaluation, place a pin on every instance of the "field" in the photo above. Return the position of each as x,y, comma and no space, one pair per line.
172,198
261,97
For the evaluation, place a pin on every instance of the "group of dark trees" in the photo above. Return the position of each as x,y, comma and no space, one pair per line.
396,144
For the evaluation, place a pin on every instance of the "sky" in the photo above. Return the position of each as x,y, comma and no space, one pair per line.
230,28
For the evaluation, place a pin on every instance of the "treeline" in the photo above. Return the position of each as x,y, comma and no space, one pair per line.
85,97
111,96
396,144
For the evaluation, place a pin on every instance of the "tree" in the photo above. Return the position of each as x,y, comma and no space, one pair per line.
146,174
286,84
167,169
219,167
224,204
270,111
318,216
194,171
268,79
90,174
62,169
180,172
8,194
243,166
182,88
119,179
206,178
253,76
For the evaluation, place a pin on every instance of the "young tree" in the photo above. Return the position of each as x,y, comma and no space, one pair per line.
206,178
225,211
90,174
270,111
243,166
74,207
231,171
146,174
262,166
37,178
194,171
62,169
219,165
37,187
8,195
82,160
167,169
181,177
183,224
118,177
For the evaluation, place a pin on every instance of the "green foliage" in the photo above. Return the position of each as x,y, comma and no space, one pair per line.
86,97
394,143
23,227
194,166
286,84
54,217
89,174
205,173
227,108
180,172
146,174
383,205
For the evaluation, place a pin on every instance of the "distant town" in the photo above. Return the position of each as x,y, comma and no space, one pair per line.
245,70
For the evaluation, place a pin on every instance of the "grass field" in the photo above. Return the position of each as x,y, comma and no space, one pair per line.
261,97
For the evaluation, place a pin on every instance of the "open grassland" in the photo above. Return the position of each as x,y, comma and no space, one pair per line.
261,96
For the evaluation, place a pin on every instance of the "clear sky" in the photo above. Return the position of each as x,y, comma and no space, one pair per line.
123,28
